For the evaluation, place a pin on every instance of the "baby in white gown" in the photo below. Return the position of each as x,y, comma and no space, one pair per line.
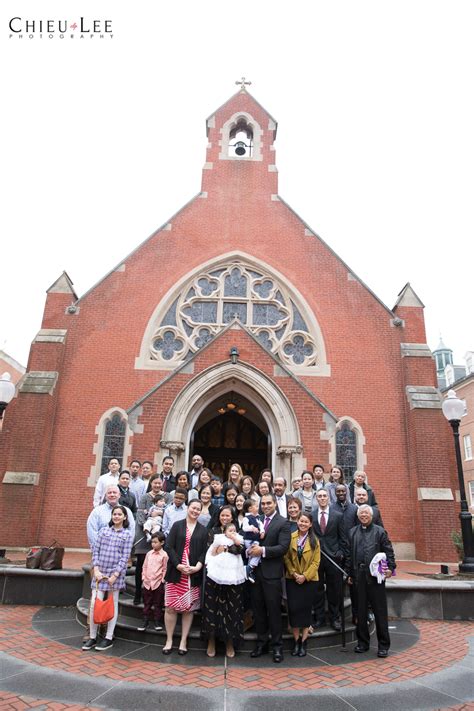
225,568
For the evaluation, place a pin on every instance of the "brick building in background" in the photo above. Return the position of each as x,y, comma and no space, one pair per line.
252,342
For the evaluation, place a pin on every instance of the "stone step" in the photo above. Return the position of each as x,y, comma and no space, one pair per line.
127,629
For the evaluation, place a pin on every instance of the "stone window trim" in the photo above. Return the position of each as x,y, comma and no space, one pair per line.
166,348
226,139
360,442
98,447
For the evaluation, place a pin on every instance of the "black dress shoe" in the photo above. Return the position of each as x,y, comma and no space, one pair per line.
318,624
302,652
360,650
137,601
296,648
336,625
259,651
167,651
182,652
277,656
382,653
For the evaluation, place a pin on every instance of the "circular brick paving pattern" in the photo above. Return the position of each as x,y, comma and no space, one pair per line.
440,645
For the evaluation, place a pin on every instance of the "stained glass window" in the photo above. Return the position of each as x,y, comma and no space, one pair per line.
114,441
346,450
214,298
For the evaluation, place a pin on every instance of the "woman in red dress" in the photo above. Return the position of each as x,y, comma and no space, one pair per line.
186,546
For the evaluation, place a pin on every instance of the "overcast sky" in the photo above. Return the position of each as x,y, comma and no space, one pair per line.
104,139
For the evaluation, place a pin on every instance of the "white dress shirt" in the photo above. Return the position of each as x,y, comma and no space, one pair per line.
281,503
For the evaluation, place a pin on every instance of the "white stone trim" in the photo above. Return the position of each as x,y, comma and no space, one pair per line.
426,493
361,442
249,382
97,449
29,478
256,140
145,362
51,335
417,350
424,397
41,382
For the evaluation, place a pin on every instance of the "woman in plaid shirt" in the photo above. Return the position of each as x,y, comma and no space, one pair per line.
109,563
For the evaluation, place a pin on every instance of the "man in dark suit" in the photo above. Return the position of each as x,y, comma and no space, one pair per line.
329,528
169,481
343,506
266,592
279,489
349,514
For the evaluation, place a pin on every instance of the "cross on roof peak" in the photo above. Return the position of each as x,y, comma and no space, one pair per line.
243,83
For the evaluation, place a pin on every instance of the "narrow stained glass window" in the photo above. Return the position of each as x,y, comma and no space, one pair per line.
346,450
114,440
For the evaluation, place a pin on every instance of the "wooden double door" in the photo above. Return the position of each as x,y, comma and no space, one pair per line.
232,438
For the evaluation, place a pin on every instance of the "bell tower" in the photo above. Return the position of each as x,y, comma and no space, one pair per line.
240,155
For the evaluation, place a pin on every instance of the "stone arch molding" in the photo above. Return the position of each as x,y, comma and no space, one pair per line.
251,383
205,299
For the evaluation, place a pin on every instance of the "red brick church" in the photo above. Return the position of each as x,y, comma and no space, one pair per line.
252,342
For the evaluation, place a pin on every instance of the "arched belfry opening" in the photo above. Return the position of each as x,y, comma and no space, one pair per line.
241,139
231,429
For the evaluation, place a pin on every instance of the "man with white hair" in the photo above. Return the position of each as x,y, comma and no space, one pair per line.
366,540
101,515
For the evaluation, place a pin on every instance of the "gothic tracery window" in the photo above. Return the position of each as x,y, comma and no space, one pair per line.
114,440
214,298
346,450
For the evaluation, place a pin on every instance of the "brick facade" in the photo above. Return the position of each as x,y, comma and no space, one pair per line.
238,212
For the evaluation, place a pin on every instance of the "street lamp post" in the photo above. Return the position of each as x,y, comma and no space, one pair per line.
7,391
453,410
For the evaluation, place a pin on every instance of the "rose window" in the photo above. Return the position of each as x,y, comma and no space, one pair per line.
215,298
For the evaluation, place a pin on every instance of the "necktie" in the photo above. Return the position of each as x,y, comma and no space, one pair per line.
266,523
322,522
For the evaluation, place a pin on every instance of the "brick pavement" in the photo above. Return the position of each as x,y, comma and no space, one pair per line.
440,645
13,702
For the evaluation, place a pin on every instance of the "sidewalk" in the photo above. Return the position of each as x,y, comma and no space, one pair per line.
42,666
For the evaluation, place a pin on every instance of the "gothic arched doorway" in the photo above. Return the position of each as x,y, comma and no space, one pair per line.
273,414
230,430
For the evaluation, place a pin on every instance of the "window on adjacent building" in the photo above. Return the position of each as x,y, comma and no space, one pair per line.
467,446
346,450
471,491
114,440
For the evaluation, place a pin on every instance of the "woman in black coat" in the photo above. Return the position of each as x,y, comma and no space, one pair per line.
186,546
223,606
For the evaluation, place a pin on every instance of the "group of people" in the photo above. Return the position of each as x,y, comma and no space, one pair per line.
230,547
